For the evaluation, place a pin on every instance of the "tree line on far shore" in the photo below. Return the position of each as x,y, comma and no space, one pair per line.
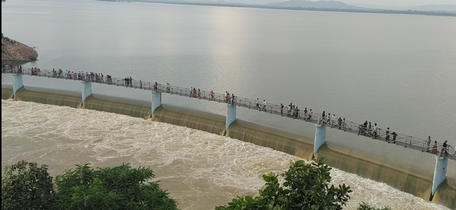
27,186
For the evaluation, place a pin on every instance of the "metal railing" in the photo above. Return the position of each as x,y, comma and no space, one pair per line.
400,139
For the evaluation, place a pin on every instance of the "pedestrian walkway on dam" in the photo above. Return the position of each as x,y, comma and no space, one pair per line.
307,115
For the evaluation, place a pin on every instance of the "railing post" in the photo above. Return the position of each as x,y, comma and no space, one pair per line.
439,173
156,101
230,116
86,91
320,137
17,83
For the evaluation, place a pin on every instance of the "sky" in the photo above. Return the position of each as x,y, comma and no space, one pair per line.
393,3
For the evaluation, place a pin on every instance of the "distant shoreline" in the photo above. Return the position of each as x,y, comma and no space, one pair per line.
377,11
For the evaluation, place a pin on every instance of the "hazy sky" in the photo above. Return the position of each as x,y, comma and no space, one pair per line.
409,3
401,2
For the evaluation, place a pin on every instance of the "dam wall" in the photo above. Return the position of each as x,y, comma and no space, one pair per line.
118,106
404,169
189,118
44,96
7,93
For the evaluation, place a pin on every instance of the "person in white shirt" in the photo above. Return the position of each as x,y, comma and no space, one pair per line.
328,119
264,105
375,131
333,120
258,103
310,115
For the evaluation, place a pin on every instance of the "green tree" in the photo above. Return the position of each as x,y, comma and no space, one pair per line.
365,206
120,187
27,186
305,186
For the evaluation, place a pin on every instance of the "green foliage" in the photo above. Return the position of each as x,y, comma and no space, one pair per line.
121,187
306,186
365,206
27,186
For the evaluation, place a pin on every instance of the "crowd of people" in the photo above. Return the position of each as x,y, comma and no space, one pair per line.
292,111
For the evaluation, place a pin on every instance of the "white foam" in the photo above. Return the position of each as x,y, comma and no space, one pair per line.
201,170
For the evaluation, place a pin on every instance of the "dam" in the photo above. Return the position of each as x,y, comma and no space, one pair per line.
404,169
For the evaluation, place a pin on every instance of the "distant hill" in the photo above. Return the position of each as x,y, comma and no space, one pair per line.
315,4
436,8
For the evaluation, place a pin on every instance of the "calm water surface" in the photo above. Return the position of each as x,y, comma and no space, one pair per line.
396,70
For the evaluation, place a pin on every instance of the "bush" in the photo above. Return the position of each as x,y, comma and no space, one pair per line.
27,186
365,206
306,186
120,187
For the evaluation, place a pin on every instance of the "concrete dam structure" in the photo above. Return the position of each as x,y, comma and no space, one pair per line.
414,172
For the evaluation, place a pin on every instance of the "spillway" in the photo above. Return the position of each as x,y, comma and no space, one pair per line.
404,169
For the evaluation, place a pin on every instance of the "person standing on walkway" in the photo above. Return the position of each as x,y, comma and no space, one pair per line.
297,112
375,131
434,148
258,103
428,142
444,148
281,109
344,125
309,115
329,119
333,120
323,117
264,105
387,138
340,122
394,134
228,98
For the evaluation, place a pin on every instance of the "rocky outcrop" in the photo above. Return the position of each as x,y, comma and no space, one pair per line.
16,53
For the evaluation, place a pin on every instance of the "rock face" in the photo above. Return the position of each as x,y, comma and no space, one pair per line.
16,53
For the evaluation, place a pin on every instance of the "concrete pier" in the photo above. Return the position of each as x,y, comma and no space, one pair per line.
320,137
441,166
156,101
86,91
230,115
18,83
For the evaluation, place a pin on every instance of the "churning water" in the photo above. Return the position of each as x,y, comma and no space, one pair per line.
200,170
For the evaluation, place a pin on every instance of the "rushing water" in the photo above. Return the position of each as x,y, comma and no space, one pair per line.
199,169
